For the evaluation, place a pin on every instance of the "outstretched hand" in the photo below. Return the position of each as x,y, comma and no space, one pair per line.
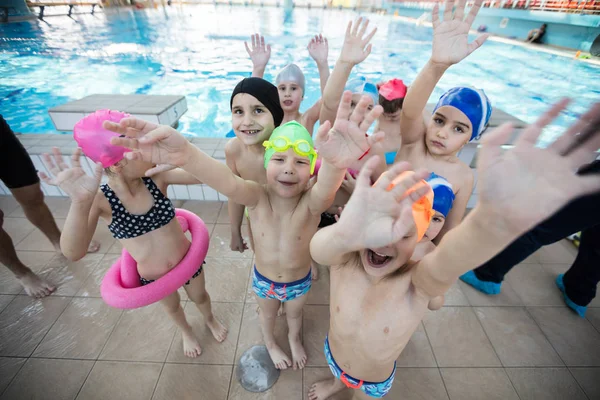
73,180
377,217
451,35
348,141
158,144
356,45
318,48
259,53
522,186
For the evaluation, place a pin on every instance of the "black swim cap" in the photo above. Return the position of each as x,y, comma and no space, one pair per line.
265,92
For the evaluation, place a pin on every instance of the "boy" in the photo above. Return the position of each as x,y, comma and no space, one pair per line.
284,213
461,114
391,98
290,80
255,112
379,296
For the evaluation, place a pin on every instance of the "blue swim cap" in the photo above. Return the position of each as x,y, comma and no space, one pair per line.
362,86
473,103
443,195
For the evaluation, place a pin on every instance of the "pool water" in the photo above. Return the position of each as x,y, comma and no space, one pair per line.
198,51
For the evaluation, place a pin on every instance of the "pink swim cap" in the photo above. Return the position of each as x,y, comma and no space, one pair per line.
94,140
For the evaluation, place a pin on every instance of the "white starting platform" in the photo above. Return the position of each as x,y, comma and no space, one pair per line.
159,109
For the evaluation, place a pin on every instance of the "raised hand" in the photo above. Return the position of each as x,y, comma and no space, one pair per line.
451,35
259,53
318,48
160,145
356,45
521,187
377,217
348,141
73,180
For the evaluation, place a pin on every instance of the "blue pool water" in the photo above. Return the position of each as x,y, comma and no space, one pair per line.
198,51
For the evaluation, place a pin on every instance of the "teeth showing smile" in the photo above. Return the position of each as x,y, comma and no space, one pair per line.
377,259
251,132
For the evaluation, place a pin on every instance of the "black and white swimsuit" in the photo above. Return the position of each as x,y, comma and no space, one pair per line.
125,225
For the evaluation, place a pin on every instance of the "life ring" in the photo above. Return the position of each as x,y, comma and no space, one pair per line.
121,287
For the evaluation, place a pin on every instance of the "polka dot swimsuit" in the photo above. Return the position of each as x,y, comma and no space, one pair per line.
126,226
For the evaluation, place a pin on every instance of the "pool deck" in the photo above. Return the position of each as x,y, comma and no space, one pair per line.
521,344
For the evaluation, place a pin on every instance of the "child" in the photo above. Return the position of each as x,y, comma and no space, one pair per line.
391,98
283,212
154,237
379,296
290,80
460,116
255,112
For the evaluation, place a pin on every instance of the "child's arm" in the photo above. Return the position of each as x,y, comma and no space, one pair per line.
165,146
318,48
178,176
373,218
354,51
450,46
236,211
518,189
259,54
340,147
84,211
311,116
459,207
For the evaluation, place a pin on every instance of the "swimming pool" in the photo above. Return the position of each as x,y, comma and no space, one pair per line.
198,51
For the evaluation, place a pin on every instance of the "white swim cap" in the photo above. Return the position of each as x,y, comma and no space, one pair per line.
291,73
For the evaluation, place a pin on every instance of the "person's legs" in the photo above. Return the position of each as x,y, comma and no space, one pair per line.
267,315
293,313
576,216
196,291
31,199
581,280
34,285
172,305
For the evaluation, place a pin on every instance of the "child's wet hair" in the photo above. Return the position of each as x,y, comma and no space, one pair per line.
390,106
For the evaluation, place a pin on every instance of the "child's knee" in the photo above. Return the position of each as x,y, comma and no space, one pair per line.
199,298
293,313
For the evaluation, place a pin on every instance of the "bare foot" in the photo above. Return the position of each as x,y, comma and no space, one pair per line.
217,329
324,389
191,347
93,247
314,272
298,353
278,356
280,312
35,286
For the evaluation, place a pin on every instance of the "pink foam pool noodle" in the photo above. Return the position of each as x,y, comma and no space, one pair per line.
121,287
94,140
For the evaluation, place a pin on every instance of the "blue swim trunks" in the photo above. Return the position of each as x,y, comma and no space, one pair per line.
267,289
372,389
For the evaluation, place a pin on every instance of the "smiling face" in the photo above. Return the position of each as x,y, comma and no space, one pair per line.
448,131
435,226
290,96
252,122
385,261
288,173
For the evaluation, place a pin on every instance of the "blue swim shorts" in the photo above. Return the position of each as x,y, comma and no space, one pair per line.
267,289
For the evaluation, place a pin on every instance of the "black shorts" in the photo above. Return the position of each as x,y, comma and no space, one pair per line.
16,168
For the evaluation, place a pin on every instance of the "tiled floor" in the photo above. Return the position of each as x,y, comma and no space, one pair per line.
522,344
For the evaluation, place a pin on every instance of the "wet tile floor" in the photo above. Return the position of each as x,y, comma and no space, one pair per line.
521,344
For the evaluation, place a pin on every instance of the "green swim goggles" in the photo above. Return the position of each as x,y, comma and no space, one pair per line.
301,147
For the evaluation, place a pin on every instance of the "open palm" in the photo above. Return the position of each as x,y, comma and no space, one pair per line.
318,48
72,180
347,141
161,145
451,36
526,184
380,217
356,45
259,52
